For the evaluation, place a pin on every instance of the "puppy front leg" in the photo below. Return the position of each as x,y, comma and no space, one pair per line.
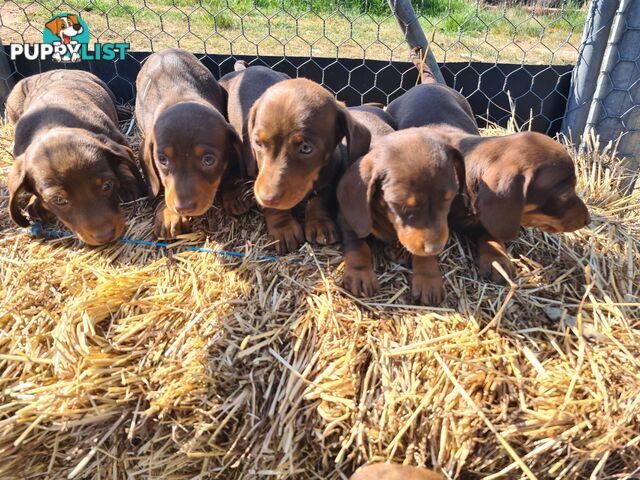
359,277
167,224
319,226
284,229
489,250
428,285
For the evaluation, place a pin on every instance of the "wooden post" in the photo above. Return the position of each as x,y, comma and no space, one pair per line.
413,34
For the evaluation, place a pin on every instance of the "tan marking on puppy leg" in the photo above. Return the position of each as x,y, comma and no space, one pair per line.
427,286
491,250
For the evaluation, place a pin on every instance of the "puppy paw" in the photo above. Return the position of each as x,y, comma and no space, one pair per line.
287,234
169,225
488,272
321,231
360,281
398,254
237,201
428,289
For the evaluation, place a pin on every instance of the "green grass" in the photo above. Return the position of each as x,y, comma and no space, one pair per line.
350,28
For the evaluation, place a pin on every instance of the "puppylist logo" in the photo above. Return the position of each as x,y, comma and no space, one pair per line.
65,38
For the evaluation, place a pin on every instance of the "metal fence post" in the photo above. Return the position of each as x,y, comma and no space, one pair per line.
590,55
6,82
615,113
413,33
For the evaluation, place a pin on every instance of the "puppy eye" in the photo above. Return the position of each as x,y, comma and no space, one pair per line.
107,186
306,149
59,200
208,160
163,160
257,143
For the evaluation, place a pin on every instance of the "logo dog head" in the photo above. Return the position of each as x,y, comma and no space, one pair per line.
65,27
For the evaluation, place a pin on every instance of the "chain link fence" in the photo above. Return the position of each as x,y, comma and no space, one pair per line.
498,54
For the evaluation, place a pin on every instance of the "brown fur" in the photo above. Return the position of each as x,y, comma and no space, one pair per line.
189,151
526,179
386,471
70,156
400,191
244,86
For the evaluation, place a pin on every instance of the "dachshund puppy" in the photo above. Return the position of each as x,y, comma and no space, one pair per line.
70,155
295,130
190,151
401,190
525,179
387,471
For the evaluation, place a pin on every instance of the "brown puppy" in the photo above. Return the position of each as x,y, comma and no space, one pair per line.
295,130
400,191
188,145
526,179
70,155
386,471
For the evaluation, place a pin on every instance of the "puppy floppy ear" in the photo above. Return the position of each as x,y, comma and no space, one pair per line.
357,135
123,162
251,119
236,161
458,162
500,202
55,25
17,182
149,167
355,191
250,162
132,184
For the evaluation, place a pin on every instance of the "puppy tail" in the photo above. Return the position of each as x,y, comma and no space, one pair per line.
240,65
420,61
374,104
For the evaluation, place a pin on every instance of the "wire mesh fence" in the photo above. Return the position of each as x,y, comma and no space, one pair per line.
615,108
498,54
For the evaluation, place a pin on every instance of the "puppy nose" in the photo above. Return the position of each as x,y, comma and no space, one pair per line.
77,27
105,235
185,207
587,219
433,248
270,199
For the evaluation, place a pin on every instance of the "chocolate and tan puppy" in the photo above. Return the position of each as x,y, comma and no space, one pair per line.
525,179
401,191
190,151
70,155
387,471
295,130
